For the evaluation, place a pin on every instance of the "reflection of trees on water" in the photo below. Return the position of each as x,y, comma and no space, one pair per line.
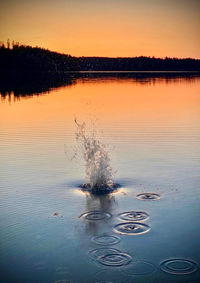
141,77
28,86
18,86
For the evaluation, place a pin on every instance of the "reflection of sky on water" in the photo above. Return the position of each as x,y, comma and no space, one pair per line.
153,133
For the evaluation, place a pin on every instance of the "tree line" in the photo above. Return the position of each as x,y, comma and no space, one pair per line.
18,58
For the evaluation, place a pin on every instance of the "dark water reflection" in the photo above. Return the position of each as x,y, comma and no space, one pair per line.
26,86
16,87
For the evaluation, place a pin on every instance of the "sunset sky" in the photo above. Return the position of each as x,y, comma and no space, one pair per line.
115,28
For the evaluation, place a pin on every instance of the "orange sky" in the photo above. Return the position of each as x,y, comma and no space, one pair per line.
105,27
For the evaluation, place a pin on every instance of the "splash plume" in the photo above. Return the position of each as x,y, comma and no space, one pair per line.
99,174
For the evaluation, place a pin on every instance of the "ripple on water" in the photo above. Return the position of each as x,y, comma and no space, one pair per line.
134,215
131,228
140,268
148,196
110,257
115,259
106,240
179,266
94,254
95,215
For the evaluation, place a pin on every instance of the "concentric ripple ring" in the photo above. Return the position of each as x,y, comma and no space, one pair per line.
115,259
95,215
95,254
106,240
179,266
134,215
148,196
131,228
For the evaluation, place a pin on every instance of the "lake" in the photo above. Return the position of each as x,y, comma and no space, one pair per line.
146,231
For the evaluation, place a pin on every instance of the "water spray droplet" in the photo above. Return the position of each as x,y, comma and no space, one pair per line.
99,174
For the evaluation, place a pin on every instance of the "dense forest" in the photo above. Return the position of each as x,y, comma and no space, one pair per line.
16,59
20,58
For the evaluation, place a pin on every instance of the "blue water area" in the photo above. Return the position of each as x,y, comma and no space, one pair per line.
54,232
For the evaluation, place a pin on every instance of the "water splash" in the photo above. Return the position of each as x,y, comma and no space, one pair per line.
99,174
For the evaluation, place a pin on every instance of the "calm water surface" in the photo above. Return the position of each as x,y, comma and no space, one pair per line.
48,232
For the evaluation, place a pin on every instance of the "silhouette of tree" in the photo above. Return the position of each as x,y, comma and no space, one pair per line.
8,43
22,59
